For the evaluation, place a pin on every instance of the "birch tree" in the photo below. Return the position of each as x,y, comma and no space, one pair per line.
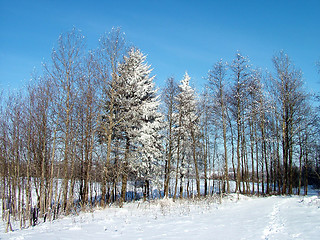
290,99
110,53
241,73
217,84
169,94
65,72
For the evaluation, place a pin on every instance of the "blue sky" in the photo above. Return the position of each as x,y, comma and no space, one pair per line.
176,35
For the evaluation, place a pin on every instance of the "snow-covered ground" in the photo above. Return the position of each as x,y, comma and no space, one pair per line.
247,218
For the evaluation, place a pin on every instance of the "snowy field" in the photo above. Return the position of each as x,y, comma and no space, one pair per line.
244,218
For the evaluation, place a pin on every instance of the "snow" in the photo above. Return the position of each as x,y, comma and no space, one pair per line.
232,217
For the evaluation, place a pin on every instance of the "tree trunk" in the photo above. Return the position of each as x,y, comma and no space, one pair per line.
177,167
300,165
195,162
125,173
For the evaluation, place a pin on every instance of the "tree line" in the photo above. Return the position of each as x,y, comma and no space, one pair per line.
93,129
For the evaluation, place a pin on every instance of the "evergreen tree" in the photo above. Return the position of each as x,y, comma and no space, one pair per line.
142,119
188,129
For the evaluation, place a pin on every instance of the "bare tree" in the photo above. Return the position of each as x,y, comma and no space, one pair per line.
288,89
111,51
217,82
66,73
204,145
241,77
169,95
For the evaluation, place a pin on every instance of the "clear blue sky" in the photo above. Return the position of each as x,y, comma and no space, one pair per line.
176,35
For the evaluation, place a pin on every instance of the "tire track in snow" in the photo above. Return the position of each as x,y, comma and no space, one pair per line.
276,222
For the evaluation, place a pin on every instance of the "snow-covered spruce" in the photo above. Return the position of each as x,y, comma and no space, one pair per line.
142,120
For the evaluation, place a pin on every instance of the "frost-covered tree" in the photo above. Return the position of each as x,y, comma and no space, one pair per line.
149,154
188,130
141,123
